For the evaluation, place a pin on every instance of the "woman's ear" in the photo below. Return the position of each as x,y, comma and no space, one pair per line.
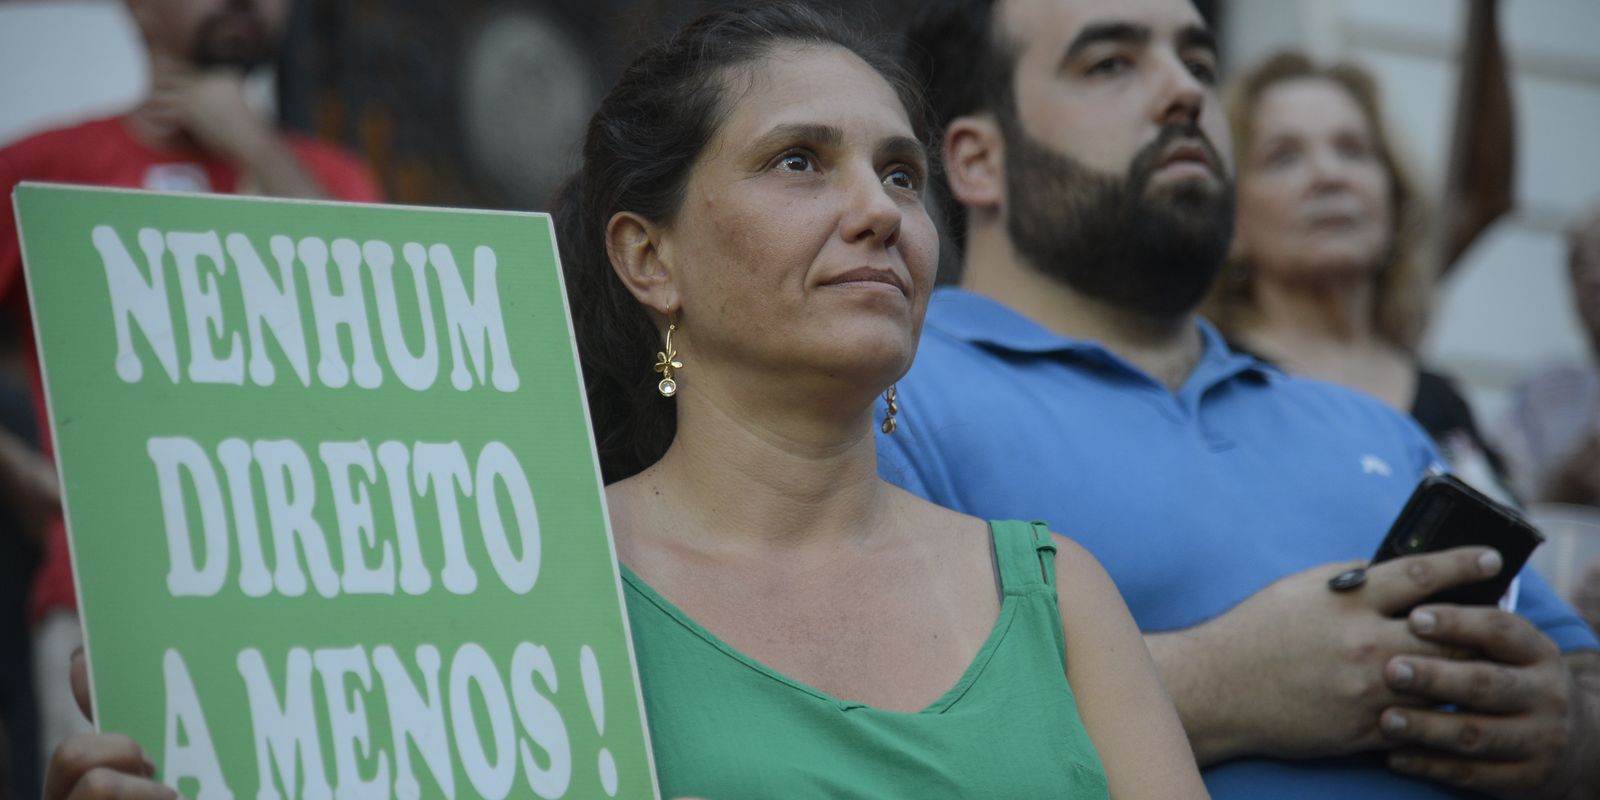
974,162
634,245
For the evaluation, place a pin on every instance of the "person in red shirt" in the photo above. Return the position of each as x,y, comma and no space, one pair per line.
193,132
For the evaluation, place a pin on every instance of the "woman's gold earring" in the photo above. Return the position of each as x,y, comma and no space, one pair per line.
666,362
890,397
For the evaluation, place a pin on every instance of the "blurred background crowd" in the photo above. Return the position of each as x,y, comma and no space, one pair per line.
1489,109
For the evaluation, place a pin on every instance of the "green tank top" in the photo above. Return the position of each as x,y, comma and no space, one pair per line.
725,727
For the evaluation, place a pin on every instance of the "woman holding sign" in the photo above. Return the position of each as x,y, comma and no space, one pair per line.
749,259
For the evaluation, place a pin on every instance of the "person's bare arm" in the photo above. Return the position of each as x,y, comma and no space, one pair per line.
28,483
1480,184
1124,708
1296,670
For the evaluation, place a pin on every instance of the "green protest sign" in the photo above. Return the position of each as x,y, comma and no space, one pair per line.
336,518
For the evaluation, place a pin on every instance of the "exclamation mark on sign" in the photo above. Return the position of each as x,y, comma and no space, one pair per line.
589,668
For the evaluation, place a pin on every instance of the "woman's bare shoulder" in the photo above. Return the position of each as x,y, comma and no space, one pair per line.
934,519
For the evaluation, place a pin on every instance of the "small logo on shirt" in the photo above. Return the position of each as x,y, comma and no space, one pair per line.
1372,465
177,178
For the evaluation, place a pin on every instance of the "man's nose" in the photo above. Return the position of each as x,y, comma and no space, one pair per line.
1183,95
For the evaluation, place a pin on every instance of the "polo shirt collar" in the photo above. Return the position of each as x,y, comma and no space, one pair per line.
982,321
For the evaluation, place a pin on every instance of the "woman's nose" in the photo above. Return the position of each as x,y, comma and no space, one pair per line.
871,213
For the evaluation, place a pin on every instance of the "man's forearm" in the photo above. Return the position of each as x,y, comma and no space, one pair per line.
1197,684
277,172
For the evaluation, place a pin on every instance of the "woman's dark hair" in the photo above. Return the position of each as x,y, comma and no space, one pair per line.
637,155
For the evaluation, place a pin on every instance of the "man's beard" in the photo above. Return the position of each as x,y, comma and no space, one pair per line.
234,36
1106,236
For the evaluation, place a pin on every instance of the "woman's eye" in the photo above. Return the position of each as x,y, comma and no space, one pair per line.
795,162
1282,158
1354,150
901,178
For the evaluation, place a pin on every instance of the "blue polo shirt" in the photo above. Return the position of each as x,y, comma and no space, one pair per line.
1193,500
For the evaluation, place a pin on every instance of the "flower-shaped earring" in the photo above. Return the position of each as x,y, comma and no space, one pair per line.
891,401
666,362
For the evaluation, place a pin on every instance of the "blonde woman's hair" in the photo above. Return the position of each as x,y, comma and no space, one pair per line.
1405,276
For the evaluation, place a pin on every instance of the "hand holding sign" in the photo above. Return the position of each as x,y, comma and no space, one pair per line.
99,765
341,454
108,765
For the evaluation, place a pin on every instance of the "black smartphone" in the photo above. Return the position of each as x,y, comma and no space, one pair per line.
1443,513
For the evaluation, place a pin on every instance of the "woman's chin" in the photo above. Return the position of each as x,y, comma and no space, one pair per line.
1329,264
871,368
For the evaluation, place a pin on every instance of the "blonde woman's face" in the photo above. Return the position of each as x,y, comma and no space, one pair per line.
1314,193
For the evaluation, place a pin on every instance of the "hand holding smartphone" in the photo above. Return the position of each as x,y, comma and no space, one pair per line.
1444,513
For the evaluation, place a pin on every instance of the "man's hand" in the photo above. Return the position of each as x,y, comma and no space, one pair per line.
1523,726
1296,670
211,107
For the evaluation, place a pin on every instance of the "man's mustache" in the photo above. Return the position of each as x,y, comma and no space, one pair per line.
1173,135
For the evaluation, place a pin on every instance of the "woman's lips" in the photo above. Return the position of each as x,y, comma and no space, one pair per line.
869,275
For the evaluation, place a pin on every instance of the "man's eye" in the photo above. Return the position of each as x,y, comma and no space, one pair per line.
1203,72
795,162
1110,66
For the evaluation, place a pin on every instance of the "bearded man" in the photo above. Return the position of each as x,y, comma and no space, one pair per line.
193,132
1069,379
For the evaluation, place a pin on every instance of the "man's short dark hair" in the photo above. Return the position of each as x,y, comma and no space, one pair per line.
957,52
954,48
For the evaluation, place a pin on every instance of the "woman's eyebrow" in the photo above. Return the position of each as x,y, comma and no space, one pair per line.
903,148
1276,138
827,135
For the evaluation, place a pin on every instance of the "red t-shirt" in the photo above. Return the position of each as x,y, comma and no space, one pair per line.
104,152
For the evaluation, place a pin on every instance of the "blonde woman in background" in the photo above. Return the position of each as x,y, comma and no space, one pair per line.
1333,259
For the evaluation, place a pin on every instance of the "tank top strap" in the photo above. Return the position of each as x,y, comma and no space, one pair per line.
1026,555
